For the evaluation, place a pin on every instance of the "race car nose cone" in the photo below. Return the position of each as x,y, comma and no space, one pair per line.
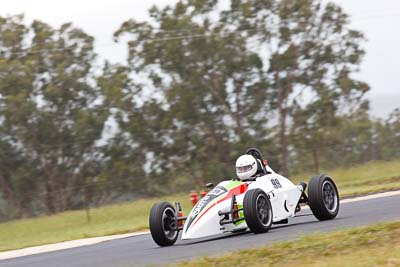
204,225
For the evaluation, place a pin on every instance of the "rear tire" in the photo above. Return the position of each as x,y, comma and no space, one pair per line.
323,197
257,211
163,222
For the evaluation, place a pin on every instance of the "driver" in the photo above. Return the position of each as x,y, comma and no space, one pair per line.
248,166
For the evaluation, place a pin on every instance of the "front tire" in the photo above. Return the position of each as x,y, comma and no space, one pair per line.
257,211
323,197
163,224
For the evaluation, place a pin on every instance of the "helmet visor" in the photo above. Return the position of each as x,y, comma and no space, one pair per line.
243,169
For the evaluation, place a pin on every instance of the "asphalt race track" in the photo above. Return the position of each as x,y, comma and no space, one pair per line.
142,251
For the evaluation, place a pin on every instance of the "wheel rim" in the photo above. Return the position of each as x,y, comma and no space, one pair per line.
263,210
169,223
330,196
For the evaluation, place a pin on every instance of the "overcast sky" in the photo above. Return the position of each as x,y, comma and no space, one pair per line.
379,20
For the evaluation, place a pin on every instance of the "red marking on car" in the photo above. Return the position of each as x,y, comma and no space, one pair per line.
235,213
180,215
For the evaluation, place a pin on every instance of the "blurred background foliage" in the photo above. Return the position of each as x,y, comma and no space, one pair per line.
201,84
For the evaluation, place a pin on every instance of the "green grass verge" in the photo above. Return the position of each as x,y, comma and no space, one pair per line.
133,216
372,177
376,245
107,220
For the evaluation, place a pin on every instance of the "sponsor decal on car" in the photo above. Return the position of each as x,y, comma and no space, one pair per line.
215,196
217,191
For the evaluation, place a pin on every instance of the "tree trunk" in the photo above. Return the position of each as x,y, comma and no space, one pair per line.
316,160
49,198
282,126
283,141
9,195
237,113
6,190
66,190
86,200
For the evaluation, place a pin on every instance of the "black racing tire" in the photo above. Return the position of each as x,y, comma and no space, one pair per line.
162,222
257,211
323,197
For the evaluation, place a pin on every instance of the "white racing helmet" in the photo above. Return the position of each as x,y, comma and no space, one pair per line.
246,166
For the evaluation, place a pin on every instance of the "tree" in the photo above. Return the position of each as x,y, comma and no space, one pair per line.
311,53
208,92
388,136
50,114
124,157
15,81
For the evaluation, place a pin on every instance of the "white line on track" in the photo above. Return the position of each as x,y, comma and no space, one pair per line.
367,197
64,245
95,240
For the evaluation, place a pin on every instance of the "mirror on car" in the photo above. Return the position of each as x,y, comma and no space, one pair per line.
210,185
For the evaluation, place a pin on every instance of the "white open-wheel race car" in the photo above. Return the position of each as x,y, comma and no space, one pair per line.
240,204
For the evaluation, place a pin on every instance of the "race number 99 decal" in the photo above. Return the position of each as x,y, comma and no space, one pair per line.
276,183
